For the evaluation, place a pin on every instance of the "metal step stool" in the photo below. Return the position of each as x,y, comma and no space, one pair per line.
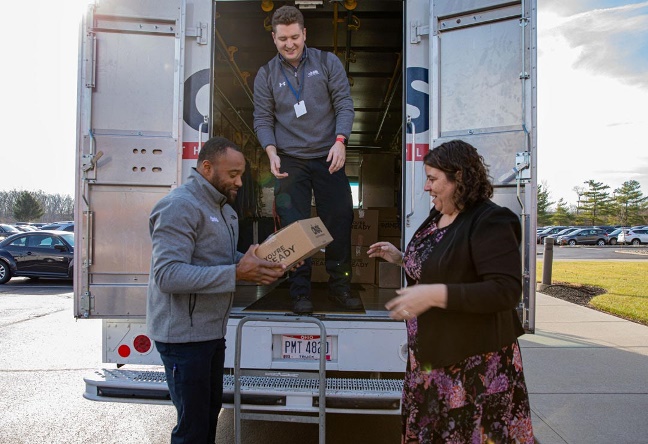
238,409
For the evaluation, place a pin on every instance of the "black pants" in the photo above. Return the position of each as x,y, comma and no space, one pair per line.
334,206
194,372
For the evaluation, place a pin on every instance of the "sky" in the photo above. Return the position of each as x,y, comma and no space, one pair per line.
592,94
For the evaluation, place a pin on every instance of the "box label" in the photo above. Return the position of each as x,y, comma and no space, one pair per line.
281,254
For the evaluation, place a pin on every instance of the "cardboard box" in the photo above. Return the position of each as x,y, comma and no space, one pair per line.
388,222
365,227
318,273
395,241
388,275
295,242
363,267
364,230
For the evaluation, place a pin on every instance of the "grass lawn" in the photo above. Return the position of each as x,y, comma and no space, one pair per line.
626,284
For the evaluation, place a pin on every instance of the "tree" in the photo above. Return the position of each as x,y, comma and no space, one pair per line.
562,216
631,203
577,212
55,206
543,205
27,208
595,206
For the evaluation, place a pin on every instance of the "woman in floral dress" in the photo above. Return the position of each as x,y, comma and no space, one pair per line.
464,381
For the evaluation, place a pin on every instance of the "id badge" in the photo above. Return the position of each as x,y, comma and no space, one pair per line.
300,108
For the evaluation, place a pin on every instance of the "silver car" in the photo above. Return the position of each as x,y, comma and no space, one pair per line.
585,236
613,236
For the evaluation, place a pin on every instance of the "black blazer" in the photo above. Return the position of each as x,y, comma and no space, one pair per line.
479,260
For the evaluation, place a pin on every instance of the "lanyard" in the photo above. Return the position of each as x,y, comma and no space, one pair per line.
301,85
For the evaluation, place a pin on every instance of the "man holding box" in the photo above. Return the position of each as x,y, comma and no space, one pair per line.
194,269
303,114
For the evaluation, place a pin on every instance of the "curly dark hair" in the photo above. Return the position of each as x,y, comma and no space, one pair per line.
287,15
464,166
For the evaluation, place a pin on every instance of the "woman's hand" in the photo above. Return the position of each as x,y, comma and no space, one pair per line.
386,251
414,300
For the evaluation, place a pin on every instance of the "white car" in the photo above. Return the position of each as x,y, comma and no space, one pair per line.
634,237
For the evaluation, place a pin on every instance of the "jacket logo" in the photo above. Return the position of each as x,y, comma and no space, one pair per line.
282,84
213,218
313,73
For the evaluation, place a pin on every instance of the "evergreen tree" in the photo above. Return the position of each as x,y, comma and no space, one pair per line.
595,206
631,203
27,207
543,204
562,216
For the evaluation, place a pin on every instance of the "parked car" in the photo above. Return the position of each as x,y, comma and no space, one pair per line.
613,236
60,226
607,228
634,237
7,230
36,254
24,228
585,236
556,236
550,230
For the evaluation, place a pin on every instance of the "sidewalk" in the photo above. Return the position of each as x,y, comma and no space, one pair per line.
587,375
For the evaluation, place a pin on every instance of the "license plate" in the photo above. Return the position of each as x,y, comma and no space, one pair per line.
303,347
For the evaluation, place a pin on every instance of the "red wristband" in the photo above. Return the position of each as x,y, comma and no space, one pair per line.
344,140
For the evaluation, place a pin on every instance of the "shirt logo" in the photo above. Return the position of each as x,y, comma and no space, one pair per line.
213,218
313,73
282,84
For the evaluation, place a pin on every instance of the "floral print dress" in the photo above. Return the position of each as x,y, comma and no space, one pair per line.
482,399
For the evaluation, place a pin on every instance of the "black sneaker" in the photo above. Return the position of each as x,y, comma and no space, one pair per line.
302,305
346,300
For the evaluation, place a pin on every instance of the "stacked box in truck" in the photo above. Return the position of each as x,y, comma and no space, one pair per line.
159,77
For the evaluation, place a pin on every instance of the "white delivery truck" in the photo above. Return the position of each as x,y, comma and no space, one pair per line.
159,77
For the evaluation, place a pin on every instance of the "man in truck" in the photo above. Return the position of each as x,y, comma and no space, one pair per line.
303,115
194,269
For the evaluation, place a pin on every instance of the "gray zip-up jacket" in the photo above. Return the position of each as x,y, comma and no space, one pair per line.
193,265
327,97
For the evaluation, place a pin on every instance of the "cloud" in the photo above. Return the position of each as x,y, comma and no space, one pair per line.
592,94
612,42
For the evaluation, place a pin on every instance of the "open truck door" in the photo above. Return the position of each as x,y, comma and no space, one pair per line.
485,81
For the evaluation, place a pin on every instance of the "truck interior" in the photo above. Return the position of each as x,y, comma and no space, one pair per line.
368,38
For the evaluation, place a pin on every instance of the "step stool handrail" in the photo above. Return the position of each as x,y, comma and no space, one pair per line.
237,370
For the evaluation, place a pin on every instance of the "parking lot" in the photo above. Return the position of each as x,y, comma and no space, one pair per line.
46,354
594,252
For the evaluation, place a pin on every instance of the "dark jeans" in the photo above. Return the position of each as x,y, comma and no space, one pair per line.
194,372
334,206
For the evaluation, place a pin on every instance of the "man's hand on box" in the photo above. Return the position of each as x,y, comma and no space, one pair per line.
254,269
296,265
